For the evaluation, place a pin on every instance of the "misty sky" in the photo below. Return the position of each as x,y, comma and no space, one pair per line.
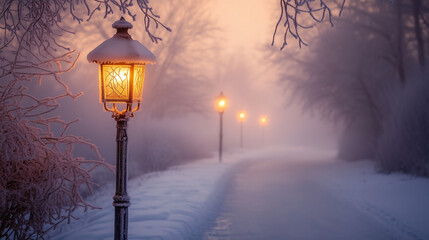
245,29
246,23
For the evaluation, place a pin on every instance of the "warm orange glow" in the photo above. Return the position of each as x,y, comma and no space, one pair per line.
241,116
121,83
115,83
263,120
221,103
139,74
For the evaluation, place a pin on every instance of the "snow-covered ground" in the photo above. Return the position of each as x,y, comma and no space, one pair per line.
397,201
310,195
175,204
182,202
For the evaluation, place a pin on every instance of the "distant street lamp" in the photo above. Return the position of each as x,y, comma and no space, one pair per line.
263,120
241,118
221,103
122,62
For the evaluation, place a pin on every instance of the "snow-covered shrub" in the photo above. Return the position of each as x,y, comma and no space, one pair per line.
39,183
40,177
404,143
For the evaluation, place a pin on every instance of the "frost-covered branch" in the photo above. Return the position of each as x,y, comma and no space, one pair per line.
38,24
302,14
40,178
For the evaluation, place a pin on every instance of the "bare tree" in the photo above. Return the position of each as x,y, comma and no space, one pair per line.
181,79
418,18
347,75
296,15
40,178
343,76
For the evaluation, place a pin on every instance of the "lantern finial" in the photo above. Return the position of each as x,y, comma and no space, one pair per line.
122,27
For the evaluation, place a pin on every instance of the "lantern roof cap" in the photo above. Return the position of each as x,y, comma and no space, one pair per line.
122,23
121,48
221,95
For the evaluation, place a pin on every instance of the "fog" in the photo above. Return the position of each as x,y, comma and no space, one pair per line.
338,91
336,80
335,83
178,99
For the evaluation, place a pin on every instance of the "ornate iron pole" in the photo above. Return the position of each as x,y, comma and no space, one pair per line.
241,134
121,200
220,137
263,136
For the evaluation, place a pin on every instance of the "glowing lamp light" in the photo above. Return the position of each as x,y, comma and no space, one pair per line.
241,116
263,120
121,83
122,62
221,103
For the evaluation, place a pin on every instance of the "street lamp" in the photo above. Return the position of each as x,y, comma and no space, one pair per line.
263,120
241,118
122,63
221,103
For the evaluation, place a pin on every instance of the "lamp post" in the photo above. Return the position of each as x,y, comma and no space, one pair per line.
122,63
241,118
220,105
263,122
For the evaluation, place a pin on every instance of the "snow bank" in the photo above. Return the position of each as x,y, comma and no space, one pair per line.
175,204
397,201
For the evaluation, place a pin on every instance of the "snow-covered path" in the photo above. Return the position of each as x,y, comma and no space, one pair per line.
271,193
294,199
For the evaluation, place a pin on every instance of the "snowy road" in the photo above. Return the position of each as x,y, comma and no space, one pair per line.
284,199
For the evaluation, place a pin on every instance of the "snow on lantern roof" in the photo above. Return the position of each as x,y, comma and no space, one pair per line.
121,48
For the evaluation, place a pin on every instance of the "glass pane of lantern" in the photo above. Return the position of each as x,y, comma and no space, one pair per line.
116,82
138,82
